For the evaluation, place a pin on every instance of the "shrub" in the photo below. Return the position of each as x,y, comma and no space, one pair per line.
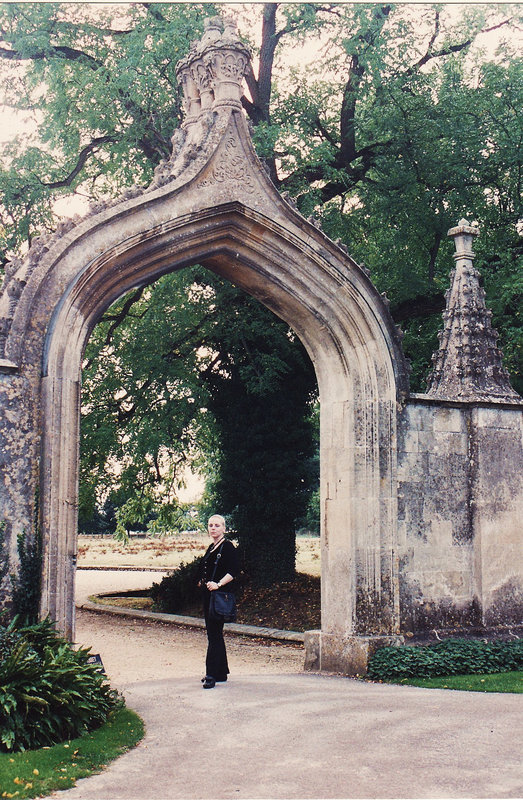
180,590
450,657
49,692
8,639
26,584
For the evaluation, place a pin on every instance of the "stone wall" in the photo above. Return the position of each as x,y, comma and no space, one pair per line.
18,468
460,505
498,512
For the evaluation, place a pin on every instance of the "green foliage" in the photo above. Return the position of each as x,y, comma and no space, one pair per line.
402,126
48,691
144,406
110,103
449,657
179,591
37,773
261,393
309,522
4,555
391,140
142,511
98,520
186,387
26,583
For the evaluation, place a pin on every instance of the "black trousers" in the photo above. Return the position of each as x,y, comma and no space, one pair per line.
216,661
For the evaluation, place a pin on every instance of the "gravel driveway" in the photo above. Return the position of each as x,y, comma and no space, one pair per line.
134,650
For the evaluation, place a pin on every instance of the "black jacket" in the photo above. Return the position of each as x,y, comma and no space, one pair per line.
226,559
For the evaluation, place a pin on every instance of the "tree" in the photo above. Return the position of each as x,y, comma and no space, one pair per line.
261,387
101,87
143,406
383,138
401,130
186,379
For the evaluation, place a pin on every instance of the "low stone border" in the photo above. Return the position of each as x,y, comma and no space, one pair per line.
195,622
128,569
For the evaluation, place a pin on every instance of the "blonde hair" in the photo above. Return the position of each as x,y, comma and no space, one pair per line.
218,516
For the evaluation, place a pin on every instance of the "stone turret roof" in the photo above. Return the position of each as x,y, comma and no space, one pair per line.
468,364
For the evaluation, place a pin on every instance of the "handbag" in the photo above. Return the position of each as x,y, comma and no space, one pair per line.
222,605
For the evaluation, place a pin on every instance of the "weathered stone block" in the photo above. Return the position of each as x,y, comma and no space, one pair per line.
350,655
312,651
448,419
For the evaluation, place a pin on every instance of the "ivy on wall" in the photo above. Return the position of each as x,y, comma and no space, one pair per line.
20,589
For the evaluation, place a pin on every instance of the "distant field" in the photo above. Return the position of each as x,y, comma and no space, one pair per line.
171,551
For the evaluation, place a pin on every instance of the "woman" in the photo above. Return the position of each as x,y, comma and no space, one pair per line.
219,569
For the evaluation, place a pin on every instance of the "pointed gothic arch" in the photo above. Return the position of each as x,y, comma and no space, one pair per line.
335,311
213,204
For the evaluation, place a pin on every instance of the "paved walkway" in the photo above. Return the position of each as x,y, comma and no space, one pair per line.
303,735
311,736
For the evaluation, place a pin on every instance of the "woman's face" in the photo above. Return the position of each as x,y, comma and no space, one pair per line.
216,528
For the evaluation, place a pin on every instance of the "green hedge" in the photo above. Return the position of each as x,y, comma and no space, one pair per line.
49,692
178,591
449,657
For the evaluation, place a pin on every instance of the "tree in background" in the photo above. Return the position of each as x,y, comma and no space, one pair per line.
400,127
261,391
143,408
200,371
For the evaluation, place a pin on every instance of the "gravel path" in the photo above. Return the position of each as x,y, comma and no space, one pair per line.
134,650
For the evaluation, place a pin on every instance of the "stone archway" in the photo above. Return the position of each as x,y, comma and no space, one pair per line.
213,204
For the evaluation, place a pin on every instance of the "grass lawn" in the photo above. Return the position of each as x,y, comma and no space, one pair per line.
498,682
36,773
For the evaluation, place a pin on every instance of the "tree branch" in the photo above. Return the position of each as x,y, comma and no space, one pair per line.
118,319
453,48
153,146
347,152
325,133
153,11
60,51
82,159
252,85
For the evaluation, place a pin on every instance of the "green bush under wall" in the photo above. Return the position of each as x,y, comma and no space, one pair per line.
449,657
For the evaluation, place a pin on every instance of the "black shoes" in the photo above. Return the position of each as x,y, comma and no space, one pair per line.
209,682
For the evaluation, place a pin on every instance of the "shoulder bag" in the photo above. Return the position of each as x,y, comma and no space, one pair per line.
222,605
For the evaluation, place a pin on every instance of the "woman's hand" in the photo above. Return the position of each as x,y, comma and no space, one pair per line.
212,586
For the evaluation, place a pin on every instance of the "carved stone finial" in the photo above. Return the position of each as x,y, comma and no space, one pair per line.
211,74
191,95
212,27
468,364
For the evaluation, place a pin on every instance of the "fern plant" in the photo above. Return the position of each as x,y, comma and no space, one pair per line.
49,691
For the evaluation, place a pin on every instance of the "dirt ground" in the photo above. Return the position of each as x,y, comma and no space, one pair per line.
133,651
170,551
136,650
